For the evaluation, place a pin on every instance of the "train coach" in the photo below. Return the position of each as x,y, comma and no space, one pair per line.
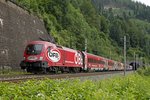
42,56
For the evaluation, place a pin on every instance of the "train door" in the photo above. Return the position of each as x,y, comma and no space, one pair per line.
84,57
63,57
106,64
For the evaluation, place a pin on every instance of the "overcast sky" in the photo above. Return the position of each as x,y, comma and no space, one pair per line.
147,2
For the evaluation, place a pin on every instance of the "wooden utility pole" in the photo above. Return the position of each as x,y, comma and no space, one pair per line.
134,64
124,55
86,45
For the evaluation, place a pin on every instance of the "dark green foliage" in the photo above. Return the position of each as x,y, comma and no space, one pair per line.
102,22
130,19
144,71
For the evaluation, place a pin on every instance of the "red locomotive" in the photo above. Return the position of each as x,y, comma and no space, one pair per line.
42,56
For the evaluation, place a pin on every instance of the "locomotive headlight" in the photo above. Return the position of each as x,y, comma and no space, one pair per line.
32,58
41,58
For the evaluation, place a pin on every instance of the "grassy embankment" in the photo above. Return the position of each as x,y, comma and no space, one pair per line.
131,87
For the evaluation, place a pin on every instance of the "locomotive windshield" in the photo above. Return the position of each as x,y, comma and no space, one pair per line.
34,49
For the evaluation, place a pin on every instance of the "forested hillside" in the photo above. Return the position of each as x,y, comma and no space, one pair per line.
103,23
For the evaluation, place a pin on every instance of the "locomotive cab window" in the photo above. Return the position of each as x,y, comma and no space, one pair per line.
34,49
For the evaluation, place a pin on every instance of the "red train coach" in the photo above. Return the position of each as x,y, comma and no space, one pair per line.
46,56
94,62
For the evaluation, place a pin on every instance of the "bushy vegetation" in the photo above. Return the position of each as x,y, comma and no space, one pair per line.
132,87
102,22
144,71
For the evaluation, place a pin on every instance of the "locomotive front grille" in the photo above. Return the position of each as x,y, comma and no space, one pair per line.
33,64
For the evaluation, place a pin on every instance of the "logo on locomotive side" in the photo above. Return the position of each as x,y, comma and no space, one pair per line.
78,58
54,55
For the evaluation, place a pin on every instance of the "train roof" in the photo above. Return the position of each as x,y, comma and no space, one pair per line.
69,49
54,45
94,55
40,42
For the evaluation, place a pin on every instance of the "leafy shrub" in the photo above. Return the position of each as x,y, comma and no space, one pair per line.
132,87
144,71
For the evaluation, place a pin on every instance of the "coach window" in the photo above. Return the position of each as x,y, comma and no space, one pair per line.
101,62
97,61
89,60
92,61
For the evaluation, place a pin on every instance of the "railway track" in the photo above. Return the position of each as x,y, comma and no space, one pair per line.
20,78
